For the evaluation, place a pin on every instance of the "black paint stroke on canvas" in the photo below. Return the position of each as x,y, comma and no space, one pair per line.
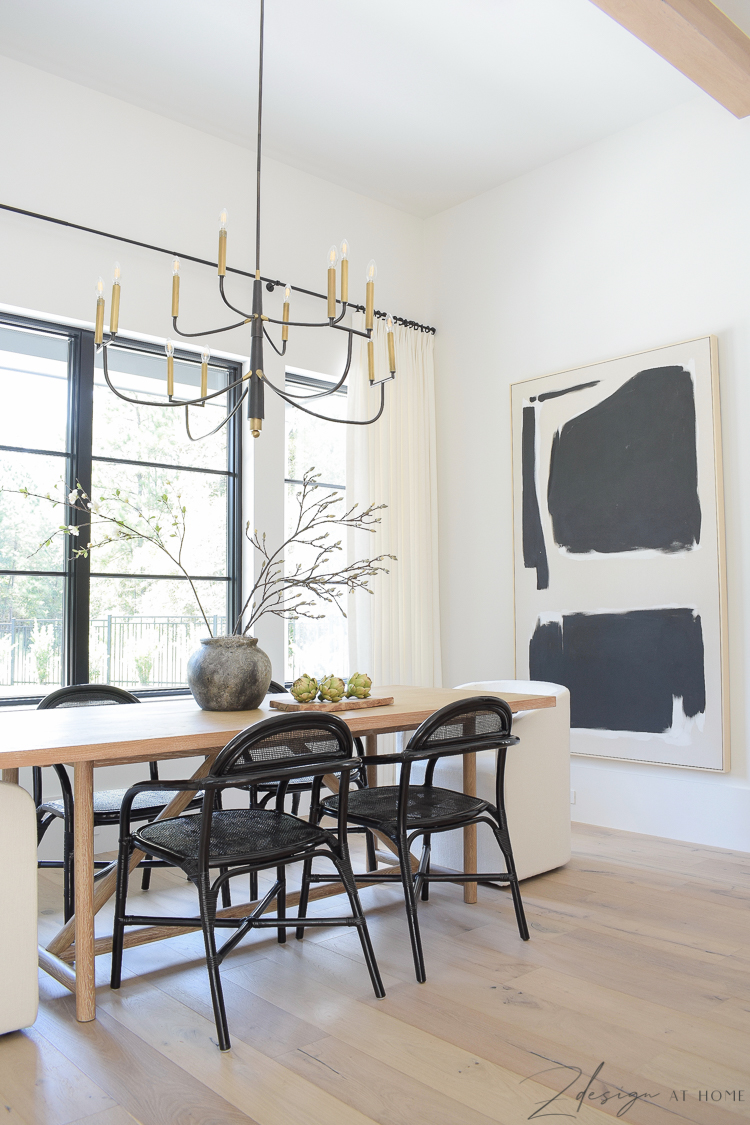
623,669
534,550
568,390
624,475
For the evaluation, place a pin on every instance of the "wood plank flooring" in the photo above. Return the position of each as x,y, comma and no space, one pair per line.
639,960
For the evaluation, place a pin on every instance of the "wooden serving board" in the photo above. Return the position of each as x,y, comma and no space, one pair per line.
342,705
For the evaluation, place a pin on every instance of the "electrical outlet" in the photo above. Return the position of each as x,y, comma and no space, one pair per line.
572,796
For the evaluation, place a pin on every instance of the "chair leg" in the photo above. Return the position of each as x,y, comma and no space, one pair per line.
253,874
146,879
68,878
208,914
350,886
295,803
426,883
42,825
304,895
504,843
226,894
411,908
372,863
118,929
281,902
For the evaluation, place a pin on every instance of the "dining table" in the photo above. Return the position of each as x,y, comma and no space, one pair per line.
86,738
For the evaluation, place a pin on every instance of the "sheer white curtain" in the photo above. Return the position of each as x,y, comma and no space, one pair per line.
394,634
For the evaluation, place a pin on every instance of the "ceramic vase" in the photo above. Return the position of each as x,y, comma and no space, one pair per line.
229,674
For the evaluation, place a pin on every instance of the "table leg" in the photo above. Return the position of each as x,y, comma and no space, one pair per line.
470,833
83,798
11,776
106,886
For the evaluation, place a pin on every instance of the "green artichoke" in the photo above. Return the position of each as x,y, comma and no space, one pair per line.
359,686
305,688
332,689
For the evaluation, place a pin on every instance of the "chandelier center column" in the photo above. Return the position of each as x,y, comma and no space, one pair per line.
255,403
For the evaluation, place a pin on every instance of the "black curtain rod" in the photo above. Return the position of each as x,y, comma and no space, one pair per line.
271,283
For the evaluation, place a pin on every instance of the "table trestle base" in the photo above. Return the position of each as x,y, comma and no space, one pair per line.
149,934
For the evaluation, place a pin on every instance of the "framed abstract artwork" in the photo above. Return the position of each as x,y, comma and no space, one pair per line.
620,588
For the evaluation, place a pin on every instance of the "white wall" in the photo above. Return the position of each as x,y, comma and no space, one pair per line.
76,154
640,240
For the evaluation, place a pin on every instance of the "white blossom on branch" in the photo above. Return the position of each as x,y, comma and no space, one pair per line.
296,591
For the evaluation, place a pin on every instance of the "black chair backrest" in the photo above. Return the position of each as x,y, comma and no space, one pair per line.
86,695
276,689
299,739
482,722
80,695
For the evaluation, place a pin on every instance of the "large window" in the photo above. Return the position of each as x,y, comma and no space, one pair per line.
317,647
125,615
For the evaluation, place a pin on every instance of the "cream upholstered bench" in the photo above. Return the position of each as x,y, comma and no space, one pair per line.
19,981
537,787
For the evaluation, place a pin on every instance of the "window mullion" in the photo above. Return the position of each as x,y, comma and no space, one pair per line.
80,420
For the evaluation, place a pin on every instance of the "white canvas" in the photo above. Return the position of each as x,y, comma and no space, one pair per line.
619,552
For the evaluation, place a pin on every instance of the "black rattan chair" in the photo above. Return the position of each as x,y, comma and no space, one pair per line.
107,802
405,811
241,841
262,795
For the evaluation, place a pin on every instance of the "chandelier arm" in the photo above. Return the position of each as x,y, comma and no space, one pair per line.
272,320
143,402
208,331
320,324
268,337
223,422
319,394
228,303
300,323
342,421
367,335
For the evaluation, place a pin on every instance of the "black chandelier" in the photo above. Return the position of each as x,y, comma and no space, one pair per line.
256,377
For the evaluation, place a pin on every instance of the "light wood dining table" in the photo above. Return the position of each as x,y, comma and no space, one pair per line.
88,737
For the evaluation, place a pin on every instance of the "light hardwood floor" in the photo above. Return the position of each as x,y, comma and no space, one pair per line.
639,959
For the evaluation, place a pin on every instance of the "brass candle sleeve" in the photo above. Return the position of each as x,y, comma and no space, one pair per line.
204,380
114,312
176,294
99,329
256,425
332,293
344,280
222,253
391,353
285,325
170,375
369,305
371,360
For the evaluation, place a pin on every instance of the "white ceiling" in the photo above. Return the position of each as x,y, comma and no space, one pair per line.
419,103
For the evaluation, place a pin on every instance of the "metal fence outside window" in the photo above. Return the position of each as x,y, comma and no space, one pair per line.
127,650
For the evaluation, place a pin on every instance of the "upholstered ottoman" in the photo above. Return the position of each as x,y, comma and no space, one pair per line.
19,984
537,787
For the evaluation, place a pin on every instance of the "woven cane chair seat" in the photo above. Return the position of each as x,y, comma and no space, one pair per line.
235,833
426,805
109,801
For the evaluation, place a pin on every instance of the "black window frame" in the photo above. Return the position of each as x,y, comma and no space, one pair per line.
79,458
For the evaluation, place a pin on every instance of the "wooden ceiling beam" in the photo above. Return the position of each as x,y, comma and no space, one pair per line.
696,38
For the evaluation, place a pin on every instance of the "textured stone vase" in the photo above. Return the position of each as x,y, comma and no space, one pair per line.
229,674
